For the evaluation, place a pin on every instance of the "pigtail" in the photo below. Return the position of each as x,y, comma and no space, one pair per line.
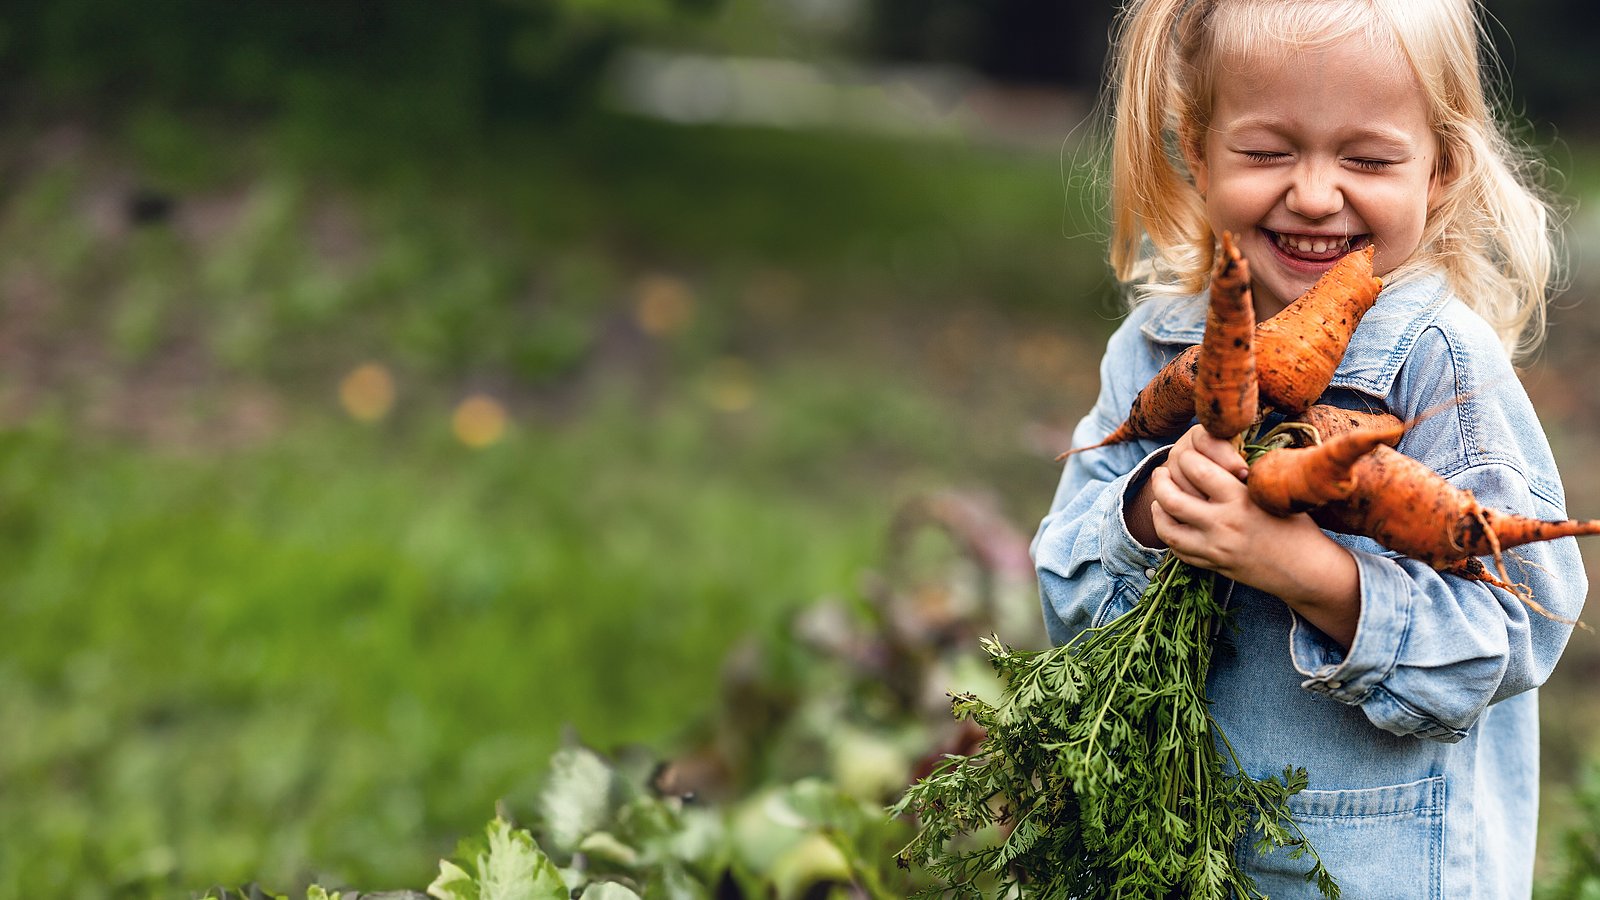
1159,233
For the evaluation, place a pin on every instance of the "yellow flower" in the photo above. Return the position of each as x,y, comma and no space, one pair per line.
367,392
479,421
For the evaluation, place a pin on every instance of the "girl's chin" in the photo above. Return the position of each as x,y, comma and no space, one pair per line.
1274,294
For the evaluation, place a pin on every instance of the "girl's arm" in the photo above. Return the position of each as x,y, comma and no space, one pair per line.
1432,651
1091,568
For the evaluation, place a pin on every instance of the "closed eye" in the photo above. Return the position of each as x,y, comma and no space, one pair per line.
1262,155
1368,164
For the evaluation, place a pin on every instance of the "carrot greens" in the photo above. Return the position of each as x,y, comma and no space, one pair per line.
1103,773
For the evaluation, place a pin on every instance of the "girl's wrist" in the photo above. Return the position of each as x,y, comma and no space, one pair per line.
1136,515
1318,579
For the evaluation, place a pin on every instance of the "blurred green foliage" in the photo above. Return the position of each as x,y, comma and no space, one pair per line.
333,653
415,70
514,257
269,642
1576,873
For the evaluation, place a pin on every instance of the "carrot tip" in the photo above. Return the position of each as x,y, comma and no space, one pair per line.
1075,450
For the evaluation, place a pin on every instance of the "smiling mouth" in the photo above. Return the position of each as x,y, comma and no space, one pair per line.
1316,248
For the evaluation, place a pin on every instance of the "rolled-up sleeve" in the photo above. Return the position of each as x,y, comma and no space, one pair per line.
1090,566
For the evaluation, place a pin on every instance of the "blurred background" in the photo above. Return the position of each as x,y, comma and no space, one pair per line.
392,392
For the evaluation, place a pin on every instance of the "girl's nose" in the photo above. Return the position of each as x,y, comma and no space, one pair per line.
1314,193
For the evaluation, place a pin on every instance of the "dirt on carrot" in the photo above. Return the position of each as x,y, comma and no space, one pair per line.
1225,395
1299,348
1296,479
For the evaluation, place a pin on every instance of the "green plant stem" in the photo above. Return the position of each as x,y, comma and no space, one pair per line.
1127,659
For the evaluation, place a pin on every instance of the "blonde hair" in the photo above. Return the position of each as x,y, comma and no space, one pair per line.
1491,232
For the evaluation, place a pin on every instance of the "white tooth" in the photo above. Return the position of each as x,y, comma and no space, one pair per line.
1303,245
1319,246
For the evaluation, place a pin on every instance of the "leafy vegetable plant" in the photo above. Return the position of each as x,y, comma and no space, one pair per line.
511,868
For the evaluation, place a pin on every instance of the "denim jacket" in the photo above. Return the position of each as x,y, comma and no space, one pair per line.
1421,741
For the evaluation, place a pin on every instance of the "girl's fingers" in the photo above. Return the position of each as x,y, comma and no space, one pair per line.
1178,478
1174,502
1181,539
1209,479
1221,452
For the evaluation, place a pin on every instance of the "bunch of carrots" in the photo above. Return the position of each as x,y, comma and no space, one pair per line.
1101,773
1337,464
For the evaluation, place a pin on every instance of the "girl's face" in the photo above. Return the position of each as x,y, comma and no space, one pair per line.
1312,155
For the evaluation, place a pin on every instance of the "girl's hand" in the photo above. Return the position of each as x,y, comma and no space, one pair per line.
1202,511
1139,514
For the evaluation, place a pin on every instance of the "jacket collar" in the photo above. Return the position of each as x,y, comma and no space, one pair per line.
1378,347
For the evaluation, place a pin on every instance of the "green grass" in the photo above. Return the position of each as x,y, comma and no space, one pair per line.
279,645
328,656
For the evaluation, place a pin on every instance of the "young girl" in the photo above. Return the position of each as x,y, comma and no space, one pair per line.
1310,128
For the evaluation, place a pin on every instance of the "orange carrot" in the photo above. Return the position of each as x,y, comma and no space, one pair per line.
1162,409
1295,479
1407,507
1296,353
1353,482
1225,375
1331,421
1298,349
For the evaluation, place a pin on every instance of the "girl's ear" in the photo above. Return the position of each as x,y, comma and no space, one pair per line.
1194,156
